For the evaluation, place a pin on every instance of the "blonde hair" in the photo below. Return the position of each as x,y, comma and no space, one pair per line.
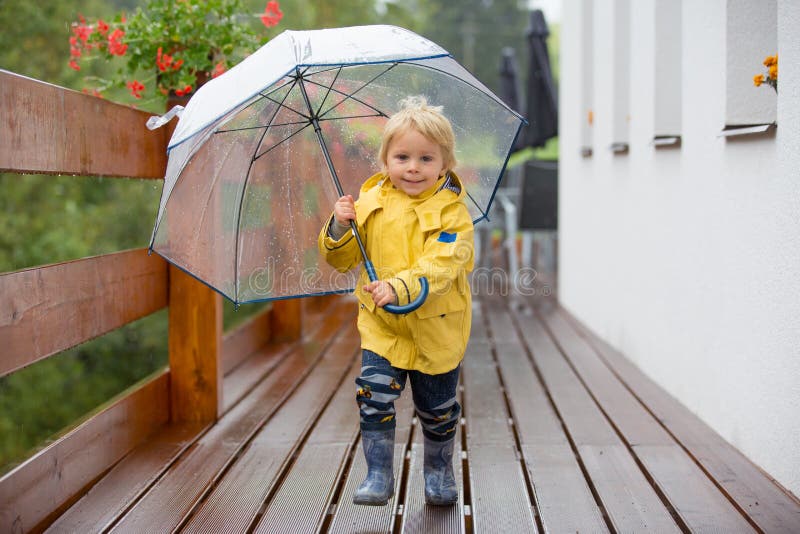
415,113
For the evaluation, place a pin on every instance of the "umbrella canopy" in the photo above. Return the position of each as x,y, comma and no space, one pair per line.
249,178
542,101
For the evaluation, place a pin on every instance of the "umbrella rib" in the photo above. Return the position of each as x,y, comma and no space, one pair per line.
328,92
475,202
379,114
393,65
279,87
282,105
373,108
282,141
324,70
260,126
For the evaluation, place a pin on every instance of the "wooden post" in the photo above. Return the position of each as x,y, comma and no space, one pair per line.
286,320
195,343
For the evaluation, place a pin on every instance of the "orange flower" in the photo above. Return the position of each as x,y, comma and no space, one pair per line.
773,71
770,60
758,79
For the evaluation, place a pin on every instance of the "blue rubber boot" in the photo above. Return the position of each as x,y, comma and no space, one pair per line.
440,483
378,487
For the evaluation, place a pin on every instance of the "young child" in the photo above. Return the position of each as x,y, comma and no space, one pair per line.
414,223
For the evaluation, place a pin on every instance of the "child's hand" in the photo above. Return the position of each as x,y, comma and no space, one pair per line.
344,210
382,293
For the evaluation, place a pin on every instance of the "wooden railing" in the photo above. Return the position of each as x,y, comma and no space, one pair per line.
47,129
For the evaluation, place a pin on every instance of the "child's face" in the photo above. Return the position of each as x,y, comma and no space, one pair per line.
414,163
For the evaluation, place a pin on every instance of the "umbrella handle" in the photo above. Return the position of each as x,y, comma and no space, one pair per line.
411,306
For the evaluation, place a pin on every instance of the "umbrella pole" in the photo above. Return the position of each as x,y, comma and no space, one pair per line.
367,263
315,123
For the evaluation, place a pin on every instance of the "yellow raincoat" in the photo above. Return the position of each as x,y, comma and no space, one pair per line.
407,237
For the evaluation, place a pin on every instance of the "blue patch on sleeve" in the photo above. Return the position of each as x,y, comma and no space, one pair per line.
447,237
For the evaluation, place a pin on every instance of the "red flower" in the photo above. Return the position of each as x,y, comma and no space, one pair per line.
74,51
272,14
136,88
185,91
165,61
115,45
219,69
74,65
94,92
102,27
82,31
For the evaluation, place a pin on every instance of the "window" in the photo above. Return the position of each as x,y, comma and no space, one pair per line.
668,44
751,36
587,73
622,79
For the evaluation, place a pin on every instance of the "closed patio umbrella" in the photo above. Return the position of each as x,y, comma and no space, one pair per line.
510,90
542,99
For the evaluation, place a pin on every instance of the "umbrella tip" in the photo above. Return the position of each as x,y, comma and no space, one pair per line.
537,24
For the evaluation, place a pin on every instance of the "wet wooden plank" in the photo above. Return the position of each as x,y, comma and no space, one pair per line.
631,503
355,518
236,500
691,500
174,497
251,372
498,490
108,499
52,130
419,518
49,309
253,367
564,499
34,493
306,493
768,506
697,500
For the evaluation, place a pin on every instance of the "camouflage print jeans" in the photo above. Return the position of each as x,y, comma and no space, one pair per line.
380,385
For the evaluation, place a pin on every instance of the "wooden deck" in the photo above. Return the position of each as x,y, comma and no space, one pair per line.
559,434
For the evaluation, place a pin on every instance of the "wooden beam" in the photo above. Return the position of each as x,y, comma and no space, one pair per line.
195,344
48,129
49,309
241,342
34,493
286,320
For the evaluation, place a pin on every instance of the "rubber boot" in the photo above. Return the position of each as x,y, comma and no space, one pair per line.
440,483
378,487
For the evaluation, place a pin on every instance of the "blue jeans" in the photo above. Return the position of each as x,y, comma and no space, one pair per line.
435,402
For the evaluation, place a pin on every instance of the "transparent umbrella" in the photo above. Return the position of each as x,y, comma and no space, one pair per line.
261,153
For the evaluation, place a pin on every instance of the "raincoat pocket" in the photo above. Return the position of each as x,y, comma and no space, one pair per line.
438,330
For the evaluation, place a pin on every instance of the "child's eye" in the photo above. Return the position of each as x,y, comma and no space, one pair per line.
401,157
427,159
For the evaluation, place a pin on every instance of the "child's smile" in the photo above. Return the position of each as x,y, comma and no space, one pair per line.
414,163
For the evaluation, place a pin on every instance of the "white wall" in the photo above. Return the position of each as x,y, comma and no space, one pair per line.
688,260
